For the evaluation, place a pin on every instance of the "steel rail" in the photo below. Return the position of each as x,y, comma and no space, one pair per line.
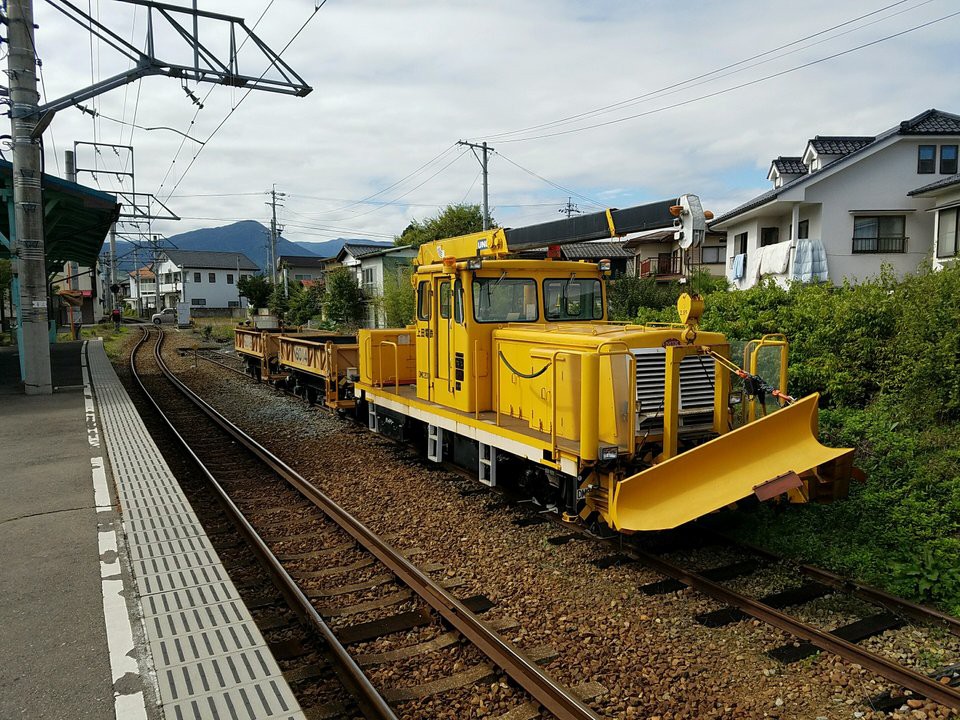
238,371
920,613
367,696
916,611
907,678
556,699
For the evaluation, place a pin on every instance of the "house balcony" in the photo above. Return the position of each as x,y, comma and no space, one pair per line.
663,268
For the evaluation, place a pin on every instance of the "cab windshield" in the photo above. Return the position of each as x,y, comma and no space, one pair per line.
573,299
504,299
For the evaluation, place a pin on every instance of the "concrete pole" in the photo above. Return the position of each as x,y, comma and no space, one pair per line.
273,236
486,200
30,266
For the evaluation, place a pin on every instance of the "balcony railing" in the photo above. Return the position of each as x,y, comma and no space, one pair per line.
660,266
891,244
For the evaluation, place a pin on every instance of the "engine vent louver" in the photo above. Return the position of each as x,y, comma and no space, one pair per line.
697,377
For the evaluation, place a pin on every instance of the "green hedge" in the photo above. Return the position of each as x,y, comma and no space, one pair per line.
885,356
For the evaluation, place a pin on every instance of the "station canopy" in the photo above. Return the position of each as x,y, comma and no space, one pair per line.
76,219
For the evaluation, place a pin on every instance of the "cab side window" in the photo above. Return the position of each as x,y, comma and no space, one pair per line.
423,301
445,300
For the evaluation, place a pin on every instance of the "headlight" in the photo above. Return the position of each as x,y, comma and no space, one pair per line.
609,453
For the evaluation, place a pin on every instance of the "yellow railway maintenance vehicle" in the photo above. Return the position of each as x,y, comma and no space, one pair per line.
513,367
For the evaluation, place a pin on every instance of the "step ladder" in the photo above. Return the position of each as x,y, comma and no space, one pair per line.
372,423
434,443
488,465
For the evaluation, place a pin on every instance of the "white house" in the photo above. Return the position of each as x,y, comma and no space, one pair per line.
202,278
303,267
140,289
946,234
845,207
351,253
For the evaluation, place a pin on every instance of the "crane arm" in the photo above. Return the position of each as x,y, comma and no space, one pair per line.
684,214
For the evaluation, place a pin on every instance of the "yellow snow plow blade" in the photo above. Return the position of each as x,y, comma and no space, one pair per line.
764,458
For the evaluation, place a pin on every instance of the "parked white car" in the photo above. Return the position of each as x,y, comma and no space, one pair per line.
167,315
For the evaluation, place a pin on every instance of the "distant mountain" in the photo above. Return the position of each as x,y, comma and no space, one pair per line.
329,248
247,236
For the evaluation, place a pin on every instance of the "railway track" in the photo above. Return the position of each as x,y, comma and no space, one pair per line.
781,609
349,586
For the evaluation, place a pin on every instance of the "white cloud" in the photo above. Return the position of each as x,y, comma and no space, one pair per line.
397,82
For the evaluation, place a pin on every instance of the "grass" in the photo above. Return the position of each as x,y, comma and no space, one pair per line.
112,339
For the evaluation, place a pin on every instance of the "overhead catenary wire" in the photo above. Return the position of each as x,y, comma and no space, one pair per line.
739,86
709,76
245,96
203,101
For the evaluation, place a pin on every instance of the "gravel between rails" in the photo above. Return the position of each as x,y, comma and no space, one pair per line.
654,659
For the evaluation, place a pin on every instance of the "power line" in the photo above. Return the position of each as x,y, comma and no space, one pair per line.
551,182
692,82
740,86
402,180
415,187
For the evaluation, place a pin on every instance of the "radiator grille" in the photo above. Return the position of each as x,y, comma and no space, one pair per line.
697,377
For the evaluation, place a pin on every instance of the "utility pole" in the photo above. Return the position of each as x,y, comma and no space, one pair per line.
570,208
274,231
70,171
483,166
30,268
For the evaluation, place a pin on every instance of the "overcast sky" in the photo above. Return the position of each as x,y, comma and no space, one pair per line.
396,84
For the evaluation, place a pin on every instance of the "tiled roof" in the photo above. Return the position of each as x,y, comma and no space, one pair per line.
595,251
931,122
211,259
937,185
311,261
143,272
790,165
755,202
839,144
358,250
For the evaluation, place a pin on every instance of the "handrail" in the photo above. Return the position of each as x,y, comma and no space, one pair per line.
751,353
631,396
476,379
396,363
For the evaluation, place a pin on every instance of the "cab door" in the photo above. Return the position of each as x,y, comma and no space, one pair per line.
443,292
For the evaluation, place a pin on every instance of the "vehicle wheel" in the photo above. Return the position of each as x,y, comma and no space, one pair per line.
156,322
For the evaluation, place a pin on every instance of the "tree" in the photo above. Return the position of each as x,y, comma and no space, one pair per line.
452,221
343,301
256,289
305,304
398,299
277,303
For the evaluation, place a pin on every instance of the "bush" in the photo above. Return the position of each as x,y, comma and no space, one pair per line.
885,356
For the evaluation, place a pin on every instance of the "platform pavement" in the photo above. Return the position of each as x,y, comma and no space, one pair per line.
70,560
54,660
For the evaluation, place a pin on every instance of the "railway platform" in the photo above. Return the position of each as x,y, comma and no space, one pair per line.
114,603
